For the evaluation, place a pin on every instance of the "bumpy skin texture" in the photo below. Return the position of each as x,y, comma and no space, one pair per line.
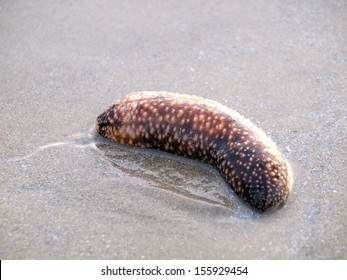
205,130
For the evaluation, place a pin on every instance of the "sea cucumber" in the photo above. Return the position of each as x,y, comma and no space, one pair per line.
205,130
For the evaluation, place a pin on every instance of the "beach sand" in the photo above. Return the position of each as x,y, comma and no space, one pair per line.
67,193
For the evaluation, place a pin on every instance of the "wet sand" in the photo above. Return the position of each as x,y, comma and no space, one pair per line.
66,193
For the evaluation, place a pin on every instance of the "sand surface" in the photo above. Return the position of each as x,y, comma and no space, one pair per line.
68,194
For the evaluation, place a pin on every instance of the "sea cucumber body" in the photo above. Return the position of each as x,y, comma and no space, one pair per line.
205,130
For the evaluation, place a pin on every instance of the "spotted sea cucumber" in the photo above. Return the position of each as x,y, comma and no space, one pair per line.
205,130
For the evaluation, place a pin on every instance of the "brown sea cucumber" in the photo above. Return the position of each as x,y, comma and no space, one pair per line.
205,130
